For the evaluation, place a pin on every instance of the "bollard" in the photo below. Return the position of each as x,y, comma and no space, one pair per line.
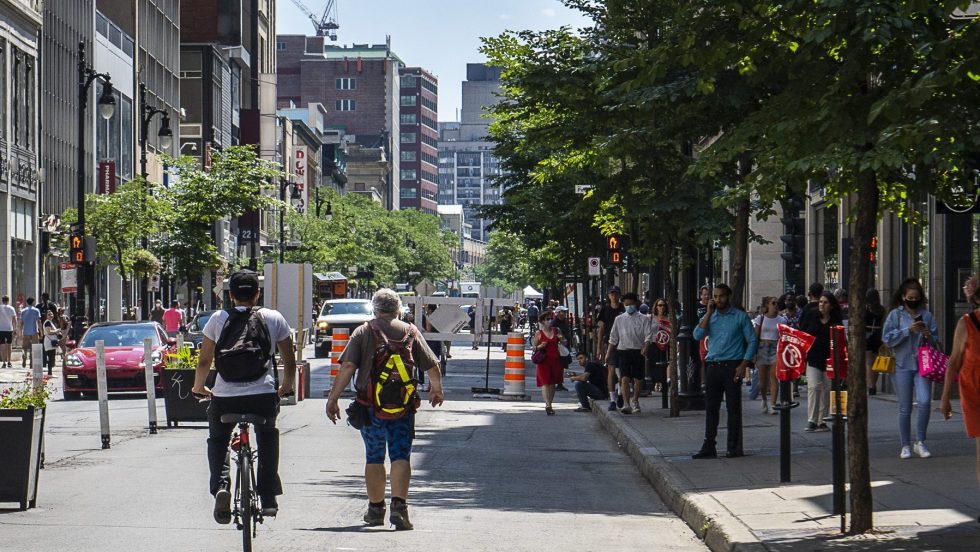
338,342
103,388
151,386
514,366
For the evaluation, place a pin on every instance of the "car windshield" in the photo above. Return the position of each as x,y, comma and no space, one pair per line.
122,335
199,322
346,308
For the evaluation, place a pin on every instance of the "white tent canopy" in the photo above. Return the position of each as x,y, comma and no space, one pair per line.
531,293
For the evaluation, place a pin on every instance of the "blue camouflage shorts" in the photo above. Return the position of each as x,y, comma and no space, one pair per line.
397,435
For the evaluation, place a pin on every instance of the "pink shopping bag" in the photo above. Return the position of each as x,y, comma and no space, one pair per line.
932,363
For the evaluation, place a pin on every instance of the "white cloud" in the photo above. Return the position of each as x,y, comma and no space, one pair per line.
506,16
549,12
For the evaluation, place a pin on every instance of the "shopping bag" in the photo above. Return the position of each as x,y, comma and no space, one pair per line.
884,362
791,352
932,363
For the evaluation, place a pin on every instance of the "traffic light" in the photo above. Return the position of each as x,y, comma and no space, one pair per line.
616,257
873,256
614,251
76,248
794,241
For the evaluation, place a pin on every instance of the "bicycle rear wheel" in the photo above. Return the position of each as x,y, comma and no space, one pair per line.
245,496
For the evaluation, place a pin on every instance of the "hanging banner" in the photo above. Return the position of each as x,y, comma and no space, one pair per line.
107,177
299,200
791,352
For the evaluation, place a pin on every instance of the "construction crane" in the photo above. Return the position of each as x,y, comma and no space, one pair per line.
326,24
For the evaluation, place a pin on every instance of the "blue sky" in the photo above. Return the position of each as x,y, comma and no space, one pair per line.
439,35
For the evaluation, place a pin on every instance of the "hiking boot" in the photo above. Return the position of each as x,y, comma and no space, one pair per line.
270,507
222,505
375,515
399,516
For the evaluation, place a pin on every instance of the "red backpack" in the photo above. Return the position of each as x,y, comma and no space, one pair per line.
392,391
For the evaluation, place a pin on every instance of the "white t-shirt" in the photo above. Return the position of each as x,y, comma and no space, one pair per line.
769,330
7,316
278,330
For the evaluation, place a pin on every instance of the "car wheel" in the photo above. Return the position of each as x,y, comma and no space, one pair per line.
72,395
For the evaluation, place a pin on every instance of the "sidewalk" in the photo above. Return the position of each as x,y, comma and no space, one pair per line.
739,504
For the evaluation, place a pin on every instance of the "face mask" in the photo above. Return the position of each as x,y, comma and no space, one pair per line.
630,309
913,304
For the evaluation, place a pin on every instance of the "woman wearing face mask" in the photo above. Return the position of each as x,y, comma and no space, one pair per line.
908,326
549,371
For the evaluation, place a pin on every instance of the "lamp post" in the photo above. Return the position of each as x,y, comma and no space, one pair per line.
166,136
107,107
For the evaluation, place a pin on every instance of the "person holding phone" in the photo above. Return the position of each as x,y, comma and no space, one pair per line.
909,326
732,346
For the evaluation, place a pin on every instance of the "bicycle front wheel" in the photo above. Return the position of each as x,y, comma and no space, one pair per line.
245,497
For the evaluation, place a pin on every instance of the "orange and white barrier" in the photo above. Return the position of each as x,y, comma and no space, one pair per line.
338,343
514,366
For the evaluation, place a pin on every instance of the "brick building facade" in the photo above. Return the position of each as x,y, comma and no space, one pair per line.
419,139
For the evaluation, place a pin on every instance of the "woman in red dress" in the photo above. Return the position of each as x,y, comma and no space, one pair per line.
964,363
549,371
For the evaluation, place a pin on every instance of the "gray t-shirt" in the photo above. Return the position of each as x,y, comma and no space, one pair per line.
360,349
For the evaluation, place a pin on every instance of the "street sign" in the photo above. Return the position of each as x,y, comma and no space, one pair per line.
425,288
971,12
580,189
69,278
154,283
594,268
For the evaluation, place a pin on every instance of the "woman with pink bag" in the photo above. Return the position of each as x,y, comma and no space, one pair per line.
908,326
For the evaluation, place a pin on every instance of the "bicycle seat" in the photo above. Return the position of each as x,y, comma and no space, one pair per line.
253,419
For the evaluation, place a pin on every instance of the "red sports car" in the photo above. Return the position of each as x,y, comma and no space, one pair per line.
123,343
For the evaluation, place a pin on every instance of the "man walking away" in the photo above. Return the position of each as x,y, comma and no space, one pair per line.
173,319
590,384
810,309
732,345
379,432
631,335
245,386
30,319
8,317
607,315
532,318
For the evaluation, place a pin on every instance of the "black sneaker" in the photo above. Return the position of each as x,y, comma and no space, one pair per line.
612,406
375,515
270,507
619,401
222,505
823,427
399,516
561,387
704,453
811,427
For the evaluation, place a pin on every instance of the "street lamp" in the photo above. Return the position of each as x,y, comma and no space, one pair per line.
166,137
107,107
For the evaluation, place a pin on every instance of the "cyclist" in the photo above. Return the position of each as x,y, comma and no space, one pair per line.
258,396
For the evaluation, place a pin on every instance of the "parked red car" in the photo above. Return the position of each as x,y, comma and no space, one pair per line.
123,343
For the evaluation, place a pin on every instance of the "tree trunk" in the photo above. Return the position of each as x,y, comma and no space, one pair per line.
741,249
670,290
859,467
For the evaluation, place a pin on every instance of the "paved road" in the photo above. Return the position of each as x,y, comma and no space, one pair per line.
489,475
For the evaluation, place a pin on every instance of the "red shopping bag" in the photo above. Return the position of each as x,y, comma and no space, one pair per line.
838,338
791,352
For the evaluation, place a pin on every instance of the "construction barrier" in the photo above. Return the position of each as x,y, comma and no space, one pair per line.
514,384
338,343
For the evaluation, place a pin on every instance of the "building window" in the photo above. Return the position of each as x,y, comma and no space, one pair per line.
409,155
409,100
346,83
409,81
280,45
409,119
409,193
346,105
409,174
409,138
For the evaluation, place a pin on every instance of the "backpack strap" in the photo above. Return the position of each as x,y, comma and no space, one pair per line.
254,311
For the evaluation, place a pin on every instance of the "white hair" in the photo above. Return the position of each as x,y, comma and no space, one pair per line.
386,301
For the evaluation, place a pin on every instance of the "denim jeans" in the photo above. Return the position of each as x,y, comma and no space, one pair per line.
586,391
908,382
267,482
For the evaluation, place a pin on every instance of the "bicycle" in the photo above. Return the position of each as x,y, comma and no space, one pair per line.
245,502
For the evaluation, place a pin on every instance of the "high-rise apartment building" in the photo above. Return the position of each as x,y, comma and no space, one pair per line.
419,140
360,87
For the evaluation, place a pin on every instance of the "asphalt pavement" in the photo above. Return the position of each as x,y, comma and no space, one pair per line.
488,475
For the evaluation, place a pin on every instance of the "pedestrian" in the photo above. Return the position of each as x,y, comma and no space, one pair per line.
704,297
549,370
156,315
791,312
874,319
173,319
8,318
52,334
631,336
909,326
505,319
964,364
245,393
30,330
658,356
564,326
818,323
360,357
590,384
434,345
46,305
813,298
767,330
604,323
532,318
64,326
731,347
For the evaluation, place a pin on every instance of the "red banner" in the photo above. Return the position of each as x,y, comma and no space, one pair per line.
791,352
663,335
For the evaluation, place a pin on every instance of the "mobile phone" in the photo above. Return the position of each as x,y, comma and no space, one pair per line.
918,318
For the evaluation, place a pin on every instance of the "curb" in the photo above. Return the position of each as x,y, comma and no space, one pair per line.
720,530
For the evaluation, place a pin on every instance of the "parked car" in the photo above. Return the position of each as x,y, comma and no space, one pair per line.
195,329
339,313
123,358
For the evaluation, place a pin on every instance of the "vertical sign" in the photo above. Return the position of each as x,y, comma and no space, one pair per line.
69,278
107,177
299,180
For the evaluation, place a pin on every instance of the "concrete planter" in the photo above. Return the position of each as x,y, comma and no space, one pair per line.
21,433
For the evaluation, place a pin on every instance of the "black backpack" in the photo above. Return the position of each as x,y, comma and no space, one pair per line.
242,352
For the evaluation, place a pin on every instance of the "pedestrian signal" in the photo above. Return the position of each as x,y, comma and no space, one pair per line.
614,241
76,246
616,257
